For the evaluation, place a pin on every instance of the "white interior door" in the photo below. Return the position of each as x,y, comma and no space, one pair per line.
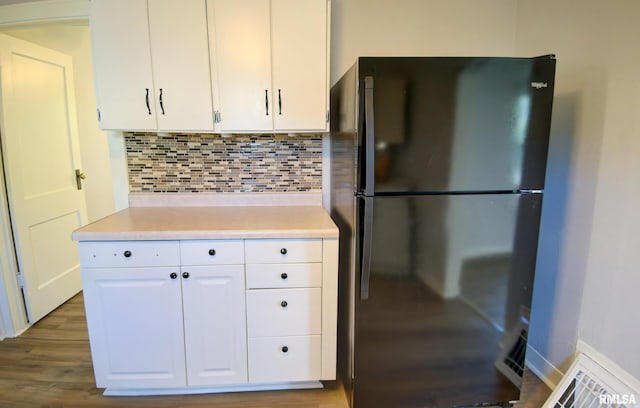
40,151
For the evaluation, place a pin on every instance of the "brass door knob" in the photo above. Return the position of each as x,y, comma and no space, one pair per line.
79,177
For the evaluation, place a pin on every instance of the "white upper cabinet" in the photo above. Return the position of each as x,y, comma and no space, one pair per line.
163,65
269,61
122,64
240,30
180,55
151,61
299,64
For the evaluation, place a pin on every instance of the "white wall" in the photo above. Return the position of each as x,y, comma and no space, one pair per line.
73,39
361,28
587,278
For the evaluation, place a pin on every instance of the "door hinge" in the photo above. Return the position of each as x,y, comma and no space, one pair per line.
216,117
20,278
327,116
99,117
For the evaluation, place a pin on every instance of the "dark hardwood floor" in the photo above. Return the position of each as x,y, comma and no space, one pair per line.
50,366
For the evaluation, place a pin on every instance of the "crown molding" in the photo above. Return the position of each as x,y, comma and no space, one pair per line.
44,11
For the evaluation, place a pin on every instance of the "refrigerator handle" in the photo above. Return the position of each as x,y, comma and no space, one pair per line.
370,139
365,272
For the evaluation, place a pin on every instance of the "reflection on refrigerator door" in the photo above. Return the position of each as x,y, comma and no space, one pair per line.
441,284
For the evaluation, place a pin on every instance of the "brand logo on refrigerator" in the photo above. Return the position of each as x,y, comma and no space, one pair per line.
539,85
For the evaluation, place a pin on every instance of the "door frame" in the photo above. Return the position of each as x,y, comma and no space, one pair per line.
13,320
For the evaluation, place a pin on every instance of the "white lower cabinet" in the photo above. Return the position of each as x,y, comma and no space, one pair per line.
214,324
134,317
290,358
159,327
180,314
284,309
284,312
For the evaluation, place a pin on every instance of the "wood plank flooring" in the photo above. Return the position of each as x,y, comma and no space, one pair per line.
50,366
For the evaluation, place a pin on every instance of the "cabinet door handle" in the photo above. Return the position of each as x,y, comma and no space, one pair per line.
285,349
266,101
279,103
146,98
284,303
161,102
212,252
284,276
283,251
185,275
173,275
127,254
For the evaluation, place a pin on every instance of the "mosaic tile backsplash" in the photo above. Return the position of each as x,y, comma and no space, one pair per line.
185,163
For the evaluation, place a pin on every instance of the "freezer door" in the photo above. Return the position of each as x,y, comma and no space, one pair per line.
454,124
449,283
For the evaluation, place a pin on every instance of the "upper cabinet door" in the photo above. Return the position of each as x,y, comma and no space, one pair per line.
151,61
270,64
241,63
162,65
180,55
122,64
299,64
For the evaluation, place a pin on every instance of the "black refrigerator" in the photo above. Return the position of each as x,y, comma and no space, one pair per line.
437,178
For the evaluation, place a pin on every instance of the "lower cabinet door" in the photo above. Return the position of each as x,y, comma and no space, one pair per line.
134,317
215,324
291,358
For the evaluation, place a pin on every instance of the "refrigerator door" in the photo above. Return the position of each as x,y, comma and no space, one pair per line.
454,124
449,283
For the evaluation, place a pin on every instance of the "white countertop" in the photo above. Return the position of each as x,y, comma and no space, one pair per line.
214,222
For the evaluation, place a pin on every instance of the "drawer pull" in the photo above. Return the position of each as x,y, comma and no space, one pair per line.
283,251
173,275
285,349
284,276
212,252
127,254
284,303
185,275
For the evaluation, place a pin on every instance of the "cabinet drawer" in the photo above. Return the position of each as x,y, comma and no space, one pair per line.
274,359
283,312
116,254
212,252
283,250
303,275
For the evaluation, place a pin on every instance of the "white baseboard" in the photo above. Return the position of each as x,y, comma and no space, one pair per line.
120,392
542,368
552,376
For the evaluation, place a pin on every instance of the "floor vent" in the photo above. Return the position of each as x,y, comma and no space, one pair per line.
588,385
510,362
